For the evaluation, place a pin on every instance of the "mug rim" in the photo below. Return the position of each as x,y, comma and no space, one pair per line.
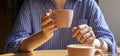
78,46
70,10
63,9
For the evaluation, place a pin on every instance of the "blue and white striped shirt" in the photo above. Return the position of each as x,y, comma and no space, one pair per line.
29,19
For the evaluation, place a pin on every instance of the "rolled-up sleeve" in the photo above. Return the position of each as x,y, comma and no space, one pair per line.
20,30
99,25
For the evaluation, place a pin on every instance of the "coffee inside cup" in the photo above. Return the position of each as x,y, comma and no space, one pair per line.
79,46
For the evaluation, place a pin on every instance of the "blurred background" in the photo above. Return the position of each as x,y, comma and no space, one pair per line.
10,8
111,11
8,12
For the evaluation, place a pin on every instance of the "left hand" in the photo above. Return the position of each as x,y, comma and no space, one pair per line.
84,34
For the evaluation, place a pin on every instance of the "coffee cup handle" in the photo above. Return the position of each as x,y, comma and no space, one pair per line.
98,52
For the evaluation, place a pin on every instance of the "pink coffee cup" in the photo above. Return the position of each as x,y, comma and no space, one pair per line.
63,17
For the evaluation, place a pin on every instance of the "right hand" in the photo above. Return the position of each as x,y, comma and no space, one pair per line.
48,24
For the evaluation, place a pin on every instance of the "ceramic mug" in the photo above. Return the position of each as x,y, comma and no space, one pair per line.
82,50
63,17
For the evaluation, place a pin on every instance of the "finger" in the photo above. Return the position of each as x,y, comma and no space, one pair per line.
88,34
50,11
87,41
85,37
92,32
90,40
83,26
85,30
46,21
79,37
79,28
49,26
82,40
76,32
45,16
74,28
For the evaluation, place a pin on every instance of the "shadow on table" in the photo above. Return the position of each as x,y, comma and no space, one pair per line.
24,54
39,54
31,54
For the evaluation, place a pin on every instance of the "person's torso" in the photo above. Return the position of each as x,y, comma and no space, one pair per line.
62,37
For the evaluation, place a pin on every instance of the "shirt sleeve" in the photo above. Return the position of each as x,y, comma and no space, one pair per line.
20,30
99,25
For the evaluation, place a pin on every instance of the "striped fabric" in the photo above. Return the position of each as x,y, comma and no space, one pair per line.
29,19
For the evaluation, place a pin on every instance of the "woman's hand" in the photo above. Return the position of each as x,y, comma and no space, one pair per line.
84,34
48,24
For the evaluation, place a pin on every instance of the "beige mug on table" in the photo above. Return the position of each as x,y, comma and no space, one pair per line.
82,50
63,17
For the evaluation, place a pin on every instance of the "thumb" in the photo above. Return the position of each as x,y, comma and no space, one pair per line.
50,11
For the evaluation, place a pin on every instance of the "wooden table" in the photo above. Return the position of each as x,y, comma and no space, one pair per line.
46,53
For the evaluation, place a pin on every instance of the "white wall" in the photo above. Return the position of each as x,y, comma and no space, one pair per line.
111,10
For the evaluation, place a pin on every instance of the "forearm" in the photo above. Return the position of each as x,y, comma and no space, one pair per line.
98,43
33,41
